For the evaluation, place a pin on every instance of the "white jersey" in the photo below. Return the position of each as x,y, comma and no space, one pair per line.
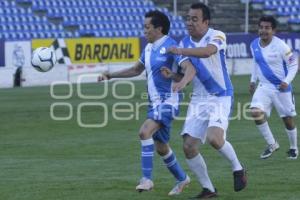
211,73
273,64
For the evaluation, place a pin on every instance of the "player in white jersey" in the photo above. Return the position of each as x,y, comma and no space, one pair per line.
211,103
163,102
275,67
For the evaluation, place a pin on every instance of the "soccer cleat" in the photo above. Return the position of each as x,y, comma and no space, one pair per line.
292,154
269,150
239,179
178,188
144,185
206,194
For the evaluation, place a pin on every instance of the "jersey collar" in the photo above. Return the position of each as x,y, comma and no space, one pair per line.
159,42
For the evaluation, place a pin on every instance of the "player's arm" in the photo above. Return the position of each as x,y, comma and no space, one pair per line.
253,80
167,73
189,73
200,52
135,70
292,68
254,77
216,43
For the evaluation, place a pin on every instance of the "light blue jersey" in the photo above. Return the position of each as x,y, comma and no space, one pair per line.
211,77
164,103
154,57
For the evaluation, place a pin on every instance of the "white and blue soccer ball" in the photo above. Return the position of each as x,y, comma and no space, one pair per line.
43,59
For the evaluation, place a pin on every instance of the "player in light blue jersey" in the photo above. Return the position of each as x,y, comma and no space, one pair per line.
211,102
275,67
163,102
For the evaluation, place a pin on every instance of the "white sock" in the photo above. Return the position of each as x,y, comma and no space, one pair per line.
292,135
198,166
265,131
228,152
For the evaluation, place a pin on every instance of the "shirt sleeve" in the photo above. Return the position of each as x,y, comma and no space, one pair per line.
180,58
219,40
291,63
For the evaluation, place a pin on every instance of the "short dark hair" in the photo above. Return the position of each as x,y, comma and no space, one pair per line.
204,8
268,18
159,19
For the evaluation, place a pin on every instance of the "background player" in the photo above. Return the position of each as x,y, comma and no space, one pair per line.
275,68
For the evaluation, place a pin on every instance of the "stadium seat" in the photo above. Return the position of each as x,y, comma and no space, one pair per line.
288,9
127,14
23,1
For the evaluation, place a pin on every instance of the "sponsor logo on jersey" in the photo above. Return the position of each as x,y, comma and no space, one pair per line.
163,50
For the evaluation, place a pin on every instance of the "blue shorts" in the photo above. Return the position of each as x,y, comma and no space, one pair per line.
163,114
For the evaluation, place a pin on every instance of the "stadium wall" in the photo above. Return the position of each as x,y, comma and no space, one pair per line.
7,77
77,57
18,53
31,77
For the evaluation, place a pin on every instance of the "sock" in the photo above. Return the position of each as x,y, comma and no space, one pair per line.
292,135
228,152
198,167
147,157
173,166
266,132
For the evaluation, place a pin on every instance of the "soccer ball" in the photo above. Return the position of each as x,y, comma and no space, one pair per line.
43,59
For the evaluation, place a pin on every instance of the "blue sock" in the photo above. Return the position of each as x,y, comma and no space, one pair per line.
147,157
174,167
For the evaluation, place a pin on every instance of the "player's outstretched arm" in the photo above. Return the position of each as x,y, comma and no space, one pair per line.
189,73
135,70
167,73
200,52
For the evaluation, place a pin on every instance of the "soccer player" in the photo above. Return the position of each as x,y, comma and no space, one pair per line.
163,102
275,67
211,102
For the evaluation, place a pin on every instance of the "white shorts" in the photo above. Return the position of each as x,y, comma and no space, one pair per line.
264,99
204,113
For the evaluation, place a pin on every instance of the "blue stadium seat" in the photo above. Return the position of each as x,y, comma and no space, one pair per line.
3,28
76,34
286,8
109,18
23,1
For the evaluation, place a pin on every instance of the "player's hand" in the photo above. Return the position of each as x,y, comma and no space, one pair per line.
252,88
166,72
104,76
178,86
174,50
283,86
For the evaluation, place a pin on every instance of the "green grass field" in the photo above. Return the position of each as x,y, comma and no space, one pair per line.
44,159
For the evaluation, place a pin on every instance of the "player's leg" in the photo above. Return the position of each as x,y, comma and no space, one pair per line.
165,115
193,134
169,158
198,166
147,152
220,111
291,131
285,106
215,136
261,106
